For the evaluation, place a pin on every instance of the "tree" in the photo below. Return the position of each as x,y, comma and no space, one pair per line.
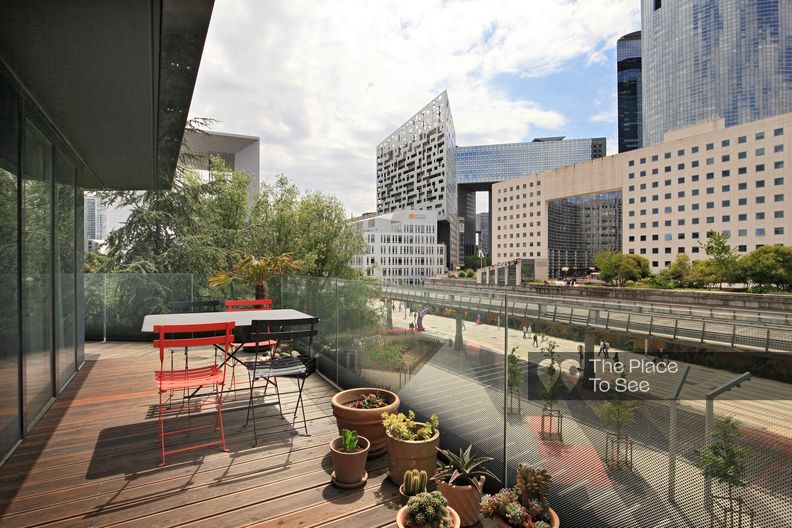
769,266
618,268
723,459
514,374
256,271
723,258
95,262
678,274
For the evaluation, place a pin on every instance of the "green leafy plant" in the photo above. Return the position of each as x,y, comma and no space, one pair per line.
531,486
256,271
402,427
415,482
428,510
463,469
514,379
373,400
350,440
723,459
549,348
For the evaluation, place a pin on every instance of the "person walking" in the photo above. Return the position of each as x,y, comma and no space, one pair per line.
536,340
607,349
601,348
616,358
580,358
525,332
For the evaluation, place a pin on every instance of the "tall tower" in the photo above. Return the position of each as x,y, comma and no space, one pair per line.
714,58
628,73
416,169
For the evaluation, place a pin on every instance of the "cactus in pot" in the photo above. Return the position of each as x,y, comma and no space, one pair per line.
414,482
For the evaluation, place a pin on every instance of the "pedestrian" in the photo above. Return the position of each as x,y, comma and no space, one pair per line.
601,348
580,358
536,340
607,349
525,332
463,325
616,357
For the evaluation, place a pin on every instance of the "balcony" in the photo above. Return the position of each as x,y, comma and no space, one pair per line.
92,459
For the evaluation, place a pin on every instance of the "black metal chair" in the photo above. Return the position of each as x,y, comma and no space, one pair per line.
266,366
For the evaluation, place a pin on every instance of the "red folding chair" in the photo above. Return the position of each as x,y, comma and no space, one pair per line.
248,304
183,336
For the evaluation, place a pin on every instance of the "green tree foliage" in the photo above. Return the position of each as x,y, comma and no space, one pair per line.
723,459
95,262
618,268
722,265
474,262
768,267
679,274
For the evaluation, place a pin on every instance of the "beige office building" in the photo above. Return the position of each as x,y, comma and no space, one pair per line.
656,201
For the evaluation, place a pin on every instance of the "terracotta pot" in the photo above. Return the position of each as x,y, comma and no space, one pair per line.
554,521
401,518
411,454
367,422
349,468
466,500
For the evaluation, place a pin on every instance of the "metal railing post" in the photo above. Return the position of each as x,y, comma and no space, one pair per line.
672,440
505,380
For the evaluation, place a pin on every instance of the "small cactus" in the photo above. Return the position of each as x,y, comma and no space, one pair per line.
415,482
428,510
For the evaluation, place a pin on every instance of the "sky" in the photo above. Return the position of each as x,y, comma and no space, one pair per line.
322,83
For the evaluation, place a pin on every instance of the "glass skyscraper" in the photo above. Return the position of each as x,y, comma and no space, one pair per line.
714,58
628,72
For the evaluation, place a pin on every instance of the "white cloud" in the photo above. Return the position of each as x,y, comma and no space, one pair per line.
323,83
606,116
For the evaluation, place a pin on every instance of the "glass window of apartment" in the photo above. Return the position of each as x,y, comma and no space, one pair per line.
725,173
654,157
667,155
742,248
742,170
668,236
681,180
643,187
655,171
759,136
742,155
667,209
760,184
760,231
778,165
694,164
725,143
694,178
667,196
710,146
710,161
725,188
694,150
778,198
778,148
695,206
681,221
742,186
710,219
710,175
778,230
742,217
778,132
655,185
655,210
680,166
667,168
760,199
726,218
778,181
37,268
694,249
667,183
760,216
694,235
742,232
710,190
760,151
680,194
694,221
742,201
655,224
725,203
778,214
643,173
680,236
742,139
631,163
643,161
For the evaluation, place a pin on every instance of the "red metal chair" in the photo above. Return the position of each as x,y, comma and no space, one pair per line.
248,304
183,336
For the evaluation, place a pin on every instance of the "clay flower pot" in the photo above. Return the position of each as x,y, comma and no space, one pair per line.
401,517
465,500
411,454
367,422
349,468
554,520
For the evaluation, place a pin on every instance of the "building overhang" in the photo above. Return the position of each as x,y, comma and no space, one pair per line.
115,78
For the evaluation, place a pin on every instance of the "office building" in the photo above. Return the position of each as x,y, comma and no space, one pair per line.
420,167
95,218
657,201
483,230
720,58
628,78
238,152
92,96
402,247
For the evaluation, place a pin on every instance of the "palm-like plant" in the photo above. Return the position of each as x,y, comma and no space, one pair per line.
256,271
463,469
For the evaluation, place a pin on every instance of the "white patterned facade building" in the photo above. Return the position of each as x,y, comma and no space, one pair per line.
402,247
416,169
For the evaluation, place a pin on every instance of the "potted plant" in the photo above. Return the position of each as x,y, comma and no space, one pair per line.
523,505
361,410
461,479
411,444
256,271
427,510
724,460
414,483
349,452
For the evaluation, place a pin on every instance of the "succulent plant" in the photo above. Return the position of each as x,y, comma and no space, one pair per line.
350,440
415,482
428,510
372,400
532,485
506,505
463,469
541,524
402,427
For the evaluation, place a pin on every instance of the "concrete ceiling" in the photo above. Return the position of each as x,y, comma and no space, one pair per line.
115,77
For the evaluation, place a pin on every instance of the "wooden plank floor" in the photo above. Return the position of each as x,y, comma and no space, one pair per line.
92,461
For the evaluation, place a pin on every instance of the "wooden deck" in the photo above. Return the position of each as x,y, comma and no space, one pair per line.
92,461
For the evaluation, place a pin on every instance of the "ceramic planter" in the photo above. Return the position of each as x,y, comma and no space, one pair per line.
466,501
401,518
411,454
349,468
367,422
